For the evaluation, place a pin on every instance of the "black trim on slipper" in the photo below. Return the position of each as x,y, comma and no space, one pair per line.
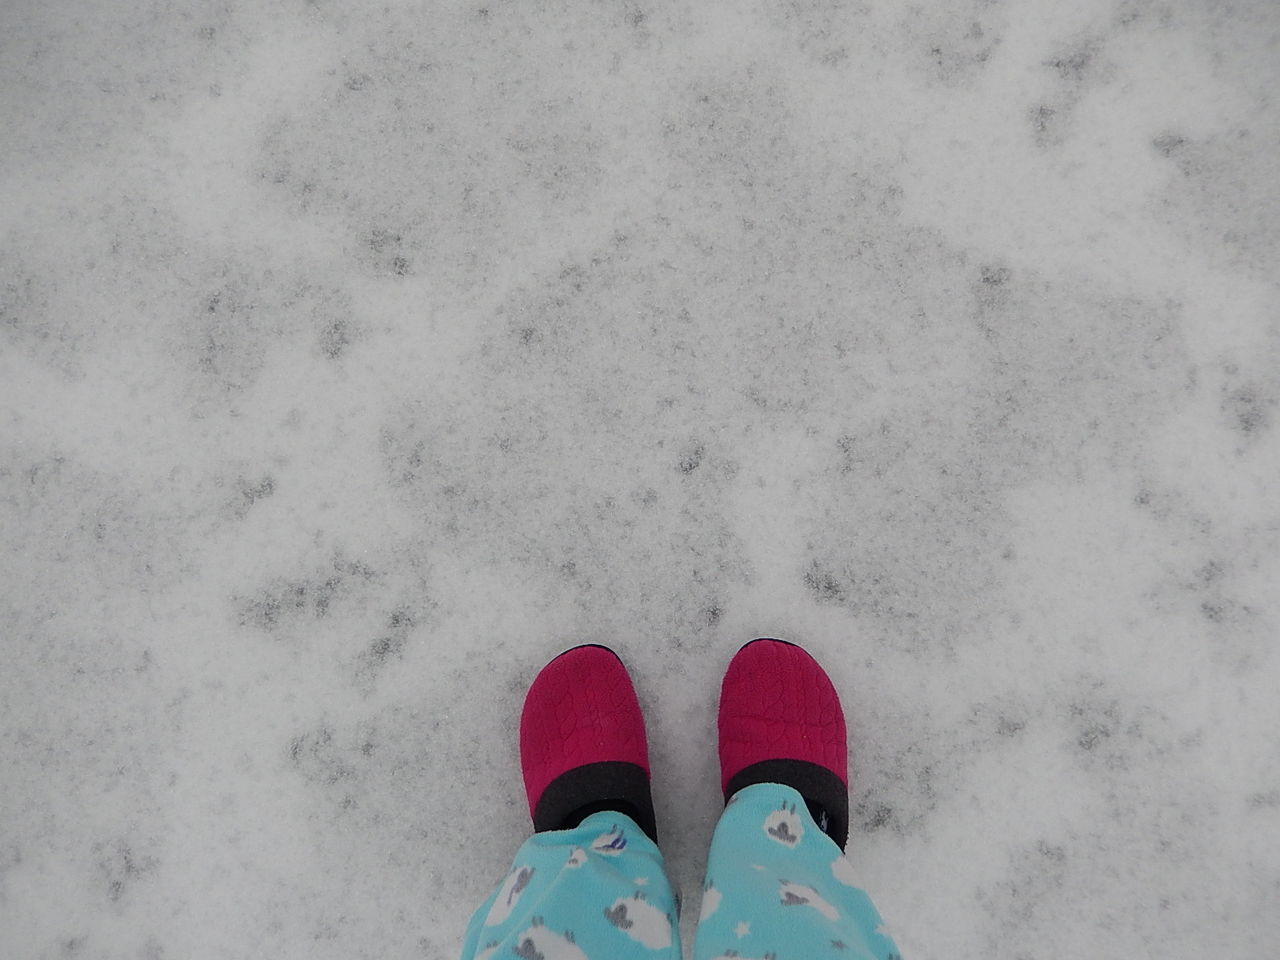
580,646
824,793
607,785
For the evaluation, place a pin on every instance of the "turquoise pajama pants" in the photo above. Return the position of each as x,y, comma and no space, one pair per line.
777,888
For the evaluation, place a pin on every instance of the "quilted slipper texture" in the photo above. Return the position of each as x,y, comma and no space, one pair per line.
777,703
581,709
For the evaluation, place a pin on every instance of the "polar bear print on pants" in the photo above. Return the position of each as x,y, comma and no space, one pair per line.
610,844
711,898
784,826
539,943
843,871
795,894
641,921
509,895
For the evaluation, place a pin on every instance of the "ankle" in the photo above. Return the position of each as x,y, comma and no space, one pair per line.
824,794
606,785
575,818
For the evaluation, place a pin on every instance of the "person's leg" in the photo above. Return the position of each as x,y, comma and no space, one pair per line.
778,885
590,883
597,891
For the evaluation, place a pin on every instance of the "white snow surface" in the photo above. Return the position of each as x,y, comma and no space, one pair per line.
356,360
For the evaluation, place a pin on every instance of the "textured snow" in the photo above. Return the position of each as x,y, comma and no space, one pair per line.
354,361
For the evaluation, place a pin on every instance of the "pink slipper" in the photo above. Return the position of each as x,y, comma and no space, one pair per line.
781,722
582,742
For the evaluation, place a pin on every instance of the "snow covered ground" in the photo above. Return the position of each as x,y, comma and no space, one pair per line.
354,361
